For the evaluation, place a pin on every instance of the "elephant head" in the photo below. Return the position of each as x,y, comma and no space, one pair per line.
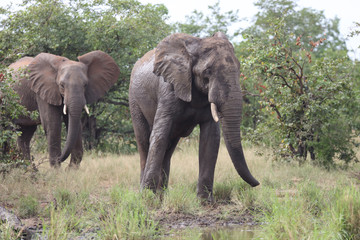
210,66
60,81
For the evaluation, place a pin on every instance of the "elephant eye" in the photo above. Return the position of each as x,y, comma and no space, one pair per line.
207,71
206,82
61,84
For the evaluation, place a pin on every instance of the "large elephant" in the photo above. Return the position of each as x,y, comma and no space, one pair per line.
59,88
184,82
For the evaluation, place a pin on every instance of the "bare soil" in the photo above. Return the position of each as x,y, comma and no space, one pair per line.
213,216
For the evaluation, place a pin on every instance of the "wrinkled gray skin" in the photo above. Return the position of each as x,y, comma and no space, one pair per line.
46,83
170,93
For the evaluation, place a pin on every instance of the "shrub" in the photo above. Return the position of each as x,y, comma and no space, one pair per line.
308,104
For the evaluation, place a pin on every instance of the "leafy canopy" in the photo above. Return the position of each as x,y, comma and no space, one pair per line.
306,102
125,29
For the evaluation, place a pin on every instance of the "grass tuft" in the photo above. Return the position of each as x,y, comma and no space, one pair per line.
222,191
63,197
181,199
127,217
28,207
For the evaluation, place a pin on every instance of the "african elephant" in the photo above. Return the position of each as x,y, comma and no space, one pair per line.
184,82
59,88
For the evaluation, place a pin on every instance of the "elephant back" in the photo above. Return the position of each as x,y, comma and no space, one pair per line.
20,75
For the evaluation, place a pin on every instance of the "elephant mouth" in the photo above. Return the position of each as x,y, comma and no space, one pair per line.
85,107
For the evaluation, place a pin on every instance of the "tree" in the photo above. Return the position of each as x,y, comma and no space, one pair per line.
42,26
306,23
307,103
125,29
200,25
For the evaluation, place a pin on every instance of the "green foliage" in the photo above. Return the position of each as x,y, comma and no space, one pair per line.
297,22
42,26
297,79
200,25
125,29
10,109
303,100
356,30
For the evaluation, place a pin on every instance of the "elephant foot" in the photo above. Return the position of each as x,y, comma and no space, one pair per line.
55,163
206,198
150,185
72,166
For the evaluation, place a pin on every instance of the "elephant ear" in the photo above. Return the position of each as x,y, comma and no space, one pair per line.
43,71
173,61
103,72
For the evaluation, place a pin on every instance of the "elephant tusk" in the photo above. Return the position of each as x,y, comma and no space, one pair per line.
214,112
64,110
87,110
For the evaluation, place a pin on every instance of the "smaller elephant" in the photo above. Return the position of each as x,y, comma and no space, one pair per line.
59,88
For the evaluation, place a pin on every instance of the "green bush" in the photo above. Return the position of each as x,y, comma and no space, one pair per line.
10,109
307,104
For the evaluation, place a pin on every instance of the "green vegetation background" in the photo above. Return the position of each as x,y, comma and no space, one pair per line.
301,90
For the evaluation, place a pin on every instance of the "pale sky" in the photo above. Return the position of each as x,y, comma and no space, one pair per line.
348,11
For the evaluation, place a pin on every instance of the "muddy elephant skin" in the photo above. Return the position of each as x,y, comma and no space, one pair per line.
59,88
184,82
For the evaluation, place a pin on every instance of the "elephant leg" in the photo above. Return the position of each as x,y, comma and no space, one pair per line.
166,165
159,141
208,153
142,135
24,139
51,121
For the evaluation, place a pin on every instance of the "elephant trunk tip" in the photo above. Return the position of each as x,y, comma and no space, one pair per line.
254,183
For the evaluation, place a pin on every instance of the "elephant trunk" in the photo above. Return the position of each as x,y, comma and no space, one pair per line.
230,120
74,129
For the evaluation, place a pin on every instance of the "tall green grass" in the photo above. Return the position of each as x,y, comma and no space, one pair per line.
313,213
127,217
181,199
7,232
28,206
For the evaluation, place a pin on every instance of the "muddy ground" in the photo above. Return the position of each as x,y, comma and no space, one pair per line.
212,216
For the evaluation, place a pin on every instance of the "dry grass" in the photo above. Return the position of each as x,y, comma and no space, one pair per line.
90,190
100,172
